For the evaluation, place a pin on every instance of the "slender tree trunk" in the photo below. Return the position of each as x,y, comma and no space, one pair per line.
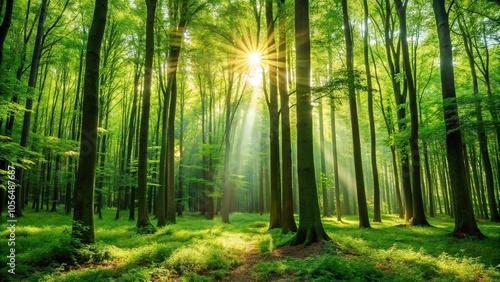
180,196
142,167
364,221
275,215
83,216
226,188
287,218
322,159
482,138
465,223
419,217
373,144
336,180
29,102
479,191
429,181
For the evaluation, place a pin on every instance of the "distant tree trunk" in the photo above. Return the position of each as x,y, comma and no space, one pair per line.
310,226
465,223
73,128
364,221
324,191
336,180
210,166
376,185
429,180
275,215
4,28
226,182
130,141
29,102
419,217
479,191
55,195
142,166
387,114
180,196
83,216
287,218
481,134
393,61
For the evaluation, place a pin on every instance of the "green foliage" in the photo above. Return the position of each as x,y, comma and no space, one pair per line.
321,268
195,249
200,258
148,229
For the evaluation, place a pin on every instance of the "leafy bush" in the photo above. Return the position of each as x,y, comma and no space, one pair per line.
200,258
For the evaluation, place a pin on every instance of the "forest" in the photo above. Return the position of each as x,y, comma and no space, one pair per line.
250,140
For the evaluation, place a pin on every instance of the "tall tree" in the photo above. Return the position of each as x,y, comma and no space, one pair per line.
83,216
393,53
465,223
336,178
142,168
310,226
275,213
37,52
416,189
481,134
373,144
364,221
287,219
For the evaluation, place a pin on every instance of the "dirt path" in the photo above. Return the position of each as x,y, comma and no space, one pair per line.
250,257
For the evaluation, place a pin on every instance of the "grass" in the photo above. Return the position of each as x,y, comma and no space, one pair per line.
195,249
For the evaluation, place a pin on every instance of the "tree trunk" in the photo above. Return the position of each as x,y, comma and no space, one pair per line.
287,218
180,196
336,180
29,102
274,146
465,223
4,28
419,217
142,166
226,181
83,217
323,176
310,226
373,144
364,221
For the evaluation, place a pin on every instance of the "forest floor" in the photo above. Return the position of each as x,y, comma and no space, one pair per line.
195,249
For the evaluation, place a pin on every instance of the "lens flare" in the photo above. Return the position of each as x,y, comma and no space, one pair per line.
254,59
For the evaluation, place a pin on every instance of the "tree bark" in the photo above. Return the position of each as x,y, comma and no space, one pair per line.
336,180
310,226
83,216
419,217
275,215
465,223
142,166
364,221
287,218
373,144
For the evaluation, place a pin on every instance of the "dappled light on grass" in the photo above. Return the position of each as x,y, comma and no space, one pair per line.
196,249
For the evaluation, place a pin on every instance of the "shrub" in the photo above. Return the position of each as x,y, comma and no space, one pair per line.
200,258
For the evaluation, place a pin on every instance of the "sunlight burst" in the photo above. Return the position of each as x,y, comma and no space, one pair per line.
254,59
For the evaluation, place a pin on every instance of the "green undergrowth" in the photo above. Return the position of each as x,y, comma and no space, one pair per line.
391,253
196,249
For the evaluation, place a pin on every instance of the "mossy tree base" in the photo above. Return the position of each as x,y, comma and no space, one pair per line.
306,235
